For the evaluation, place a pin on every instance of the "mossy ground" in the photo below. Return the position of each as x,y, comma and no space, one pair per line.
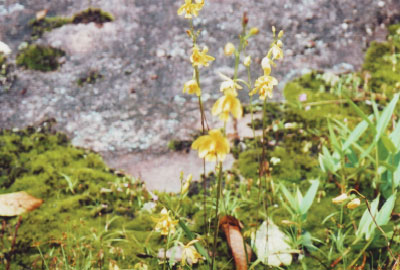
96,215
38,57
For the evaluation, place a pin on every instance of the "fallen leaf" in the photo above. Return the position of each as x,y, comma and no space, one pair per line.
40,15
270,245
231,227
17,203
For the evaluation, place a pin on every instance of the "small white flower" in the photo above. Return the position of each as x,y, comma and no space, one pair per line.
275,161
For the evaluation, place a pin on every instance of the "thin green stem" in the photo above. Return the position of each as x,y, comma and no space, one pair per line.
216,219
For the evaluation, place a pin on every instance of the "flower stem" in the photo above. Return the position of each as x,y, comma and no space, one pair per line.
216,219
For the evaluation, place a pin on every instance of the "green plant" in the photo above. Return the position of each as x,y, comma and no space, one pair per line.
38,57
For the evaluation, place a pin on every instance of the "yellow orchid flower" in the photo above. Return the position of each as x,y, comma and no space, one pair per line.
276,51
191,87
264,86
229,84
200,58
212,146
191,9
340,199
266,65
165,224
226,104
354,203
190,254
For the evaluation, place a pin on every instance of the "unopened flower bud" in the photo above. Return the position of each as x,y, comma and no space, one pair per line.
340,199
279,43
247,61
254,31
354,203
266,66
280,34
229,49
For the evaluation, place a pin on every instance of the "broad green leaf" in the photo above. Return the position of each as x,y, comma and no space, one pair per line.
364,227
309,197
387,142
383,217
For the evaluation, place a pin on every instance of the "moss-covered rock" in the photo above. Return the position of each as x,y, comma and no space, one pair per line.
38,57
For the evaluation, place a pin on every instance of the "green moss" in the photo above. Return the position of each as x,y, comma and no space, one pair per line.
95,15
38,57
89,78
383,64
78,190
179,145
39,27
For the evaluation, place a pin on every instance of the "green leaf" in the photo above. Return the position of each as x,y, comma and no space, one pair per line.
364,228
384,214
356,134
384,119
309,197
395,136
361,113
389,145
333,139
292,201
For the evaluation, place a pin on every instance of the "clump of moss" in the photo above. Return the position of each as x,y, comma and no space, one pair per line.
38,57
95,15
90,78
179,145
77,188
39,27
382,63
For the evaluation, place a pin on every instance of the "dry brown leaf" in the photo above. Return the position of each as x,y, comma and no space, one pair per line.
17,203
231,227
40,15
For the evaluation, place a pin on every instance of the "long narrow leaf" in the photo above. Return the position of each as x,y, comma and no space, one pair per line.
395,135
361,113
292,201
356,134
384,119
309,197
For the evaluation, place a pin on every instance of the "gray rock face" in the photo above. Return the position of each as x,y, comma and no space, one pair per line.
144,57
